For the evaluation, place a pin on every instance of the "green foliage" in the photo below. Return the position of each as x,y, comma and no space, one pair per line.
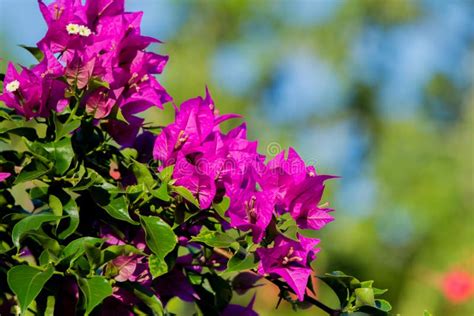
95,290
27,282
214,239
356,296
159,235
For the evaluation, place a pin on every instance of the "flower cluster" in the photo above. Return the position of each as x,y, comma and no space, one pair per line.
213,164
93,44
94,75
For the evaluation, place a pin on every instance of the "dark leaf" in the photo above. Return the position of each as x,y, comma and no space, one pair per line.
35,51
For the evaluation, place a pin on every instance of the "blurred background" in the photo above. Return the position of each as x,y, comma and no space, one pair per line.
379,92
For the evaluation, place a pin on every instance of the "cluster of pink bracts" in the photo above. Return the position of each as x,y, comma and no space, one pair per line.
101,42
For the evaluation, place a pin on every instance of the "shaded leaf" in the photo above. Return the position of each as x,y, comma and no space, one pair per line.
32,171
95,290
30,223
35,51
71,209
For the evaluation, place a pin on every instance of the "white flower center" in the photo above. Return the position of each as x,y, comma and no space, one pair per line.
72,29
75,29
84,31
13,86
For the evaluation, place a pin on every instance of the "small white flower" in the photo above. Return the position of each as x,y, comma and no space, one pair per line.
12,86
84,31
73,29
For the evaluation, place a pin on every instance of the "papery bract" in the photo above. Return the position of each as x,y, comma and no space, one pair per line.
290,260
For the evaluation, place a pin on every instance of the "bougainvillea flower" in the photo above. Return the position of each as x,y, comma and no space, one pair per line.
305,198
102,8
23,92
4,175
283,174
100,102
144,94
199,183
124,266
193,123
251,210
289,259
79,71
67,24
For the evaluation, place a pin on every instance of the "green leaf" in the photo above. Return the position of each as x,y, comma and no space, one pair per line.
61,153
379,291
373,311
77,248
35,51
426,313
129,153
96,83
71,209
160,238
95,290
66,128
241,263
114,251
143,174
50,306
30,223
118,209
385,306
149,298
162,193
340,283
157,266
27,132
32,171
288,227
364,296
222,207
90,178
221,288
94,255
186,194
27,282
47,256
55,205
166,174
214,239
